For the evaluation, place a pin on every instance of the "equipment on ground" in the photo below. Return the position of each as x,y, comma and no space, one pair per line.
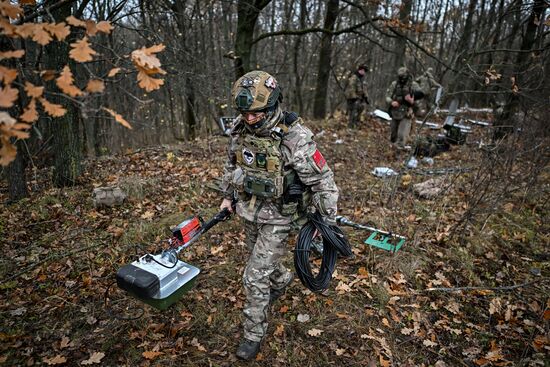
382,239
162,279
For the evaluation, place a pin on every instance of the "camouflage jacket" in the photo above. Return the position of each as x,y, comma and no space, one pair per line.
299,154
397,92
356,87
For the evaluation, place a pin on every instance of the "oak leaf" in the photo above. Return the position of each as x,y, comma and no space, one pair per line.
279,330
145,57
194,342
113,72
95,86
314,332
7,28
118,118
30,114
10,10
25,30
96,357
40,35
104,27
75,21
59,30
7,151
58,359
52,109
151,354
8,95
148,83
14,54
81,51
7,75
33,91
91,29
47,75
27,2
65,83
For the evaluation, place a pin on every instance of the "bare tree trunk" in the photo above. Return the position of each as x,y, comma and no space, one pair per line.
401,42
248,12
65,129
325,53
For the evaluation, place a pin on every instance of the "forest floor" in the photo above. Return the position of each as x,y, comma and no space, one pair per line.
60,254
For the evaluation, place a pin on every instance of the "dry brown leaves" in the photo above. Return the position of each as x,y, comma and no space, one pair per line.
81,51
118,118
148,65
65,83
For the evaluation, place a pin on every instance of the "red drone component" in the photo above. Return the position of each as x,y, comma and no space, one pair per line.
187,229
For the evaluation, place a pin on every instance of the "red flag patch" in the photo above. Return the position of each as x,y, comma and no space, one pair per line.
319,159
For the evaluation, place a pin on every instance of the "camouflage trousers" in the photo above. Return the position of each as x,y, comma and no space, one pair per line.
400,130
264,271
355,108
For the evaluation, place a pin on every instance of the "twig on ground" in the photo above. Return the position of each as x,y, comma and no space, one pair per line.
506,288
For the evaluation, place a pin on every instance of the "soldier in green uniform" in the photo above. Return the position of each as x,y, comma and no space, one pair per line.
356,96
400,98
273,167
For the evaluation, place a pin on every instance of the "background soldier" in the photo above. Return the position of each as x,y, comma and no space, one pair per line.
356,95
400,97
427,83
273,166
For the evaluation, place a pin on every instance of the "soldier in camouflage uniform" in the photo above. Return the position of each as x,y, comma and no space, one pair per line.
400,97
276,171
356,96
427,83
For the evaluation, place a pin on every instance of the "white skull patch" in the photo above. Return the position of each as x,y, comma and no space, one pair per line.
271,83
248,156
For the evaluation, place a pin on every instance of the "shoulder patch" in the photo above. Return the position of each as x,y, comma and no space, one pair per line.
290,118
319,159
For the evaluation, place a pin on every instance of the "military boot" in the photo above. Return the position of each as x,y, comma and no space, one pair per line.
248,349
274,294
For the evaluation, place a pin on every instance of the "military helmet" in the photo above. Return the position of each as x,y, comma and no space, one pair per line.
256,91
402,71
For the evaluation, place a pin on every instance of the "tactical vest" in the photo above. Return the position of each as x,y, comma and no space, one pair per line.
265,174
399,93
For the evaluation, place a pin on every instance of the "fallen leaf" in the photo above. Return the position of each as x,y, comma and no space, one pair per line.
303,317
339,351
279,330
406,331
194,342
65,343
58,359
151,355
314,332
429,343
283,309
95,357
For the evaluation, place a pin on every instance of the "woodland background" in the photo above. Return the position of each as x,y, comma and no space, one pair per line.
489,230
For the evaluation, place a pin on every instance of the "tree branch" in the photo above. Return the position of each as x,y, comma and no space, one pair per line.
300,32
43,11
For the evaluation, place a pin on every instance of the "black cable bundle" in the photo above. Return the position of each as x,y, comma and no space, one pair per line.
334,243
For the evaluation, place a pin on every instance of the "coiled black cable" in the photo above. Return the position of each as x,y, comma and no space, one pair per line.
334,243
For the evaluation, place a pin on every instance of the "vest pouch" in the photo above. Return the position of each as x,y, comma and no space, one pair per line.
261,187
398,113
289,209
